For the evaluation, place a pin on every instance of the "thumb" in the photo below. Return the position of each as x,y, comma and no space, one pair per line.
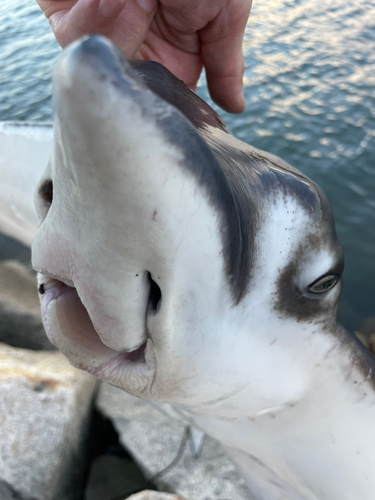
125,22
82,17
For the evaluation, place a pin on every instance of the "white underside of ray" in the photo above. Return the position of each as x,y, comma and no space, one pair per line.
24,153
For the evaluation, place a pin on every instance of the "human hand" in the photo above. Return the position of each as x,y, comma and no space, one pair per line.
183,35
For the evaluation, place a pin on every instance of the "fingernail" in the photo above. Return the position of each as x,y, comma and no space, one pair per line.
109,8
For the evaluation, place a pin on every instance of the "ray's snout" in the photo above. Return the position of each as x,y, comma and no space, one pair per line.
95,54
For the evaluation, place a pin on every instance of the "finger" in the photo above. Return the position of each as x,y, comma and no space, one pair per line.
110,8
83,17
224,71
184,65
223,59
49,7
133,25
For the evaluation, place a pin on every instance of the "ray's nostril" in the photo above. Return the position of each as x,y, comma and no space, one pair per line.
154,298
46,192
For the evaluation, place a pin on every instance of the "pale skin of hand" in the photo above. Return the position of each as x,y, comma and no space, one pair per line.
183,35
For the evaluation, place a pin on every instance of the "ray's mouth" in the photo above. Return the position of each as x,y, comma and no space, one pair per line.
69,327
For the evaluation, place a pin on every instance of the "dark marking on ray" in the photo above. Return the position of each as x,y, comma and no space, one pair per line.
301,304
172,90
234,208
41,289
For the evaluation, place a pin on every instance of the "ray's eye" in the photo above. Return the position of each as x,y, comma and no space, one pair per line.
324,284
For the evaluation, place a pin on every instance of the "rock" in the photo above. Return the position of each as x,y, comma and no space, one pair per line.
20,319
161,446
45,407
154,495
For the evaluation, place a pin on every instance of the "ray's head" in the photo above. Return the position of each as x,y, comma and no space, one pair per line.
170,253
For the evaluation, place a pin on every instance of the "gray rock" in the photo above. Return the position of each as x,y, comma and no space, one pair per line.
44,413
20,320
160,444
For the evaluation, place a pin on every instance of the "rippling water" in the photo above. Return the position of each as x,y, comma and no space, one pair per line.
310,89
